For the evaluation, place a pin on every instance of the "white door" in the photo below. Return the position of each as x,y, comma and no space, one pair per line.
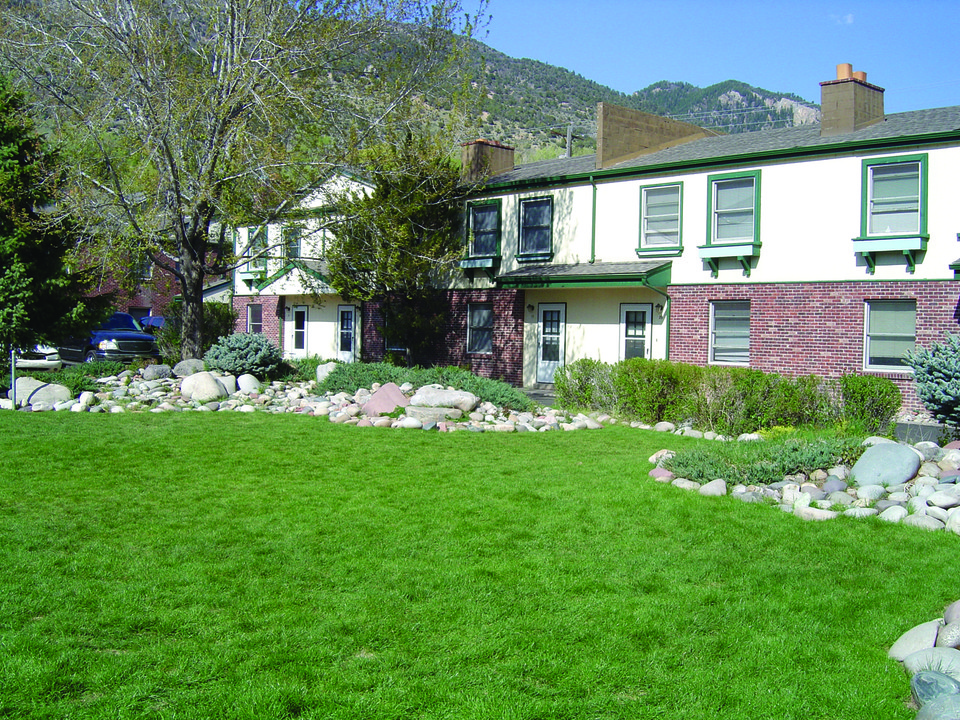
299,344
552,320
636,321
347,333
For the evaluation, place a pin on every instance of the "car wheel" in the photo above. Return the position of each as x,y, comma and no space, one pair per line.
91,356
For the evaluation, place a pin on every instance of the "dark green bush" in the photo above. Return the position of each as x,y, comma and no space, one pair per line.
655,390
936,371
348,377
244,353
587,384
869,401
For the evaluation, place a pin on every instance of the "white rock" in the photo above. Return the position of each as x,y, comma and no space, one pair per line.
714,488
920,637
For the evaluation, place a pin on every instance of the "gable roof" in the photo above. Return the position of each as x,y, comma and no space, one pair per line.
919,126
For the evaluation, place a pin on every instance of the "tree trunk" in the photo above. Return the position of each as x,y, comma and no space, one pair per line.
191,334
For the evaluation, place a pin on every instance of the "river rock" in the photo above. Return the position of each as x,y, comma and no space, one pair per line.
945,660
714,488
202,387
945,707
929,685
157,372
247,383
186,368
920,637
430,396
385,400
885,464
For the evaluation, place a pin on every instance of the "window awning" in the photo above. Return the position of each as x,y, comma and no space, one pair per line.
623,274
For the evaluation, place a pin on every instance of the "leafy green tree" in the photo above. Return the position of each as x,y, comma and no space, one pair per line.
185,118
390,243
40,299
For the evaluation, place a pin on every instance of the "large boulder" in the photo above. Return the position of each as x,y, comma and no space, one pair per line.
886,464
35,392
385,400
186,368
431,396
202,387
247,383
157,372
324,370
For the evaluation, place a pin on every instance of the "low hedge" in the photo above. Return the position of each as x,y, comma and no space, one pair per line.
727,400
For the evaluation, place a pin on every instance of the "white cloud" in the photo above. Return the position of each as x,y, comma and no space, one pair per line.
843,19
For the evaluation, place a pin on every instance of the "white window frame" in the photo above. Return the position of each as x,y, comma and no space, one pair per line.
917,203
292,236
652,240
870,335
525,252
258,239
717,214
720,337
474,347
472,208
253,327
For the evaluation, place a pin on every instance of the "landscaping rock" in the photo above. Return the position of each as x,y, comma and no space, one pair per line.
186,368
945,660
946,707
949,635
929,685
886,463
431,396
202,387
924,522
920,637
715,488
247,383
157,372
324,370
385,400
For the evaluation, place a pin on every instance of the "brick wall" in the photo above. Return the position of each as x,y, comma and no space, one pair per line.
504,363
272,314
155,293
810,328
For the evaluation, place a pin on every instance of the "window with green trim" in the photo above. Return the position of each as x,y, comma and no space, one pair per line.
660,217
257,237
536,227
894,197
890,329
734,208
291,241
484,229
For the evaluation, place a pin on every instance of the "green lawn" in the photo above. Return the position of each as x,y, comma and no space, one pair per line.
260,566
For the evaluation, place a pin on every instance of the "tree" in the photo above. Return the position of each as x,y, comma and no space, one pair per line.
40,299
185,118
389,244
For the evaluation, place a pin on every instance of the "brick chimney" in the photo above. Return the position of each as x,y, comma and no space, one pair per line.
624,134
849,103
482,159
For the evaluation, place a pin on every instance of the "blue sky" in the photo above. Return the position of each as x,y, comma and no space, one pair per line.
912,49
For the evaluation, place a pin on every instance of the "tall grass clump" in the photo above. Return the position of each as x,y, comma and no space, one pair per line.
869,401
588,384
657,389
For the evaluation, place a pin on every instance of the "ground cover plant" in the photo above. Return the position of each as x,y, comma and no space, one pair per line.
200,565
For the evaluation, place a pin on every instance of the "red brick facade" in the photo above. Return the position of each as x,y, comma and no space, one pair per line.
272,315
810,328
151,297
504,363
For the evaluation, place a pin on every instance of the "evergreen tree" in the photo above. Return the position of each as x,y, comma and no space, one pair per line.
40,299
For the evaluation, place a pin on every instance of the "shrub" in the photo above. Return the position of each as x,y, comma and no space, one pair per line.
244,353
219,320
656,390
869,401
586,383
936,370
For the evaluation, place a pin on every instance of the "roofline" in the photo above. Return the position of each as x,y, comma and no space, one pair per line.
584,178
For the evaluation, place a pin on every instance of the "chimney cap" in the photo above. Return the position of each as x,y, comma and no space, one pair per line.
484,141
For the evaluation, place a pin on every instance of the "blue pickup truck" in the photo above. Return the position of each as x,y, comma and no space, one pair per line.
120,338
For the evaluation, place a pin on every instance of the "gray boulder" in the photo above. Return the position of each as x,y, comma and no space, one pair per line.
324,370
944,707
35,392
433,415
920,637
886,464
949,635
941,659
202,387
157,372
929,685
247,383
186,368
429,396
714,488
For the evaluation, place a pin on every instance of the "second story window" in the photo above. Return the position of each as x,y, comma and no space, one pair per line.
258,245
291,242
895,197
660,218
536,228
734,218
484,228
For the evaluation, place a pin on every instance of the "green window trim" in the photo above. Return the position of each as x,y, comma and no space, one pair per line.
645,248
745,246
530,230
910,241
490,248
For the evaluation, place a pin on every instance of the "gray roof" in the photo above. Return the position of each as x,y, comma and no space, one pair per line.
582,271
804,138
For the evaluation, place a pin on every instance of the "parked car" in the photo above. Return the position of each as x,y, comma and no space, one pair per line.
40,357
120,338
152,323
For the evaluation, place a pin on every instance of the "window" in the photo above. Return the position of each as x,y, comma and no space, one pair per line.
484,227
660,217
254,318
891,330
258,244
894,196
536,228
734,203
291,241
730,332
480,328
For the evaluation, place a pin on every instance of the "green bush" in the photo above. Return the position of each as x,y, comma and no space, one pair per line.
219,320
587,384
936,371
244,353
869,401
348,377
656,390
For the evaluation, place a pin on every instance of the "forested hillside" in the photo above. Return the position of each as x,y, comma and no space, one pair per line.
530,104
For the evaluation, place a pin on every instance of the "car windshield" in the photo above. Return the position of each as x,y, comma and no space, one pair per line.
120,321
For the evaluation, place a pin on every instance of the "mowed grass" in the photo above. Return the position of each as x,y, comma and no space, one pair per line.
261,566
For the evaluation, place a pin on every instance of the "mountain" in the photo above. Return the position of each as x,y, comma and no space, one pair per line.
530,104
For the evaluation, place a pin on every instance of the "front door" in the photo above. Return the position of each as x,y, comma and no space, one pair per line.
346,333
552,321
635,327
300,330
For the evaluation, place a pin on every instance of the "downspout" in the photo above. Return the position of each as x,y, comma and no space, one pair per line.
593,223
666,312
